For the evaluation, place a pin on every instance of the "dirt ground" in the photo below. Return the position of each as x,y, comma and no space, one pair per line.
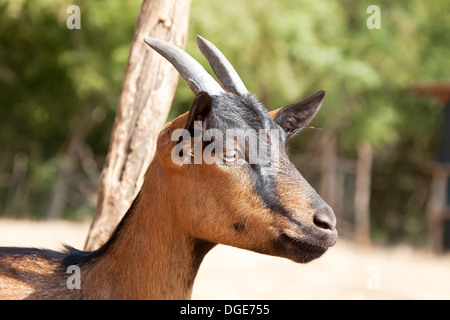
346,271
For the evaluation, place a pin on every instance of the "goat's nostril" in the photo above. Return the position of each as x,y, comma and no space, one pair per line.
325,219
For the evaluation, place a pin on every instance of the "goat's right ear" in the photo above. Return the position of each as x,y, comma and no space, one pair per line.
295,117
200,107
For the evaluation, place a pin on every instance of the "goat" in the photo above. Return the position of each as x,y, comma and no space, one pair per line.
184,209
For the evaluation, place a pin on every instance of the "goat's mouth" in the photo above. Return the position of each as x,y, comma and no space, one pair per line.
300,250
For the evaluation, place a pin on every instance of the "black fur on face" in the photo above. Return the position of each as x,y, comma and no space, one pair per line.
230,111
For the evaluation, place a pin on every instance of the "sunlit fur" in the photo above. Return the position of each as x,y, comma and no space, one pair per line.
183,211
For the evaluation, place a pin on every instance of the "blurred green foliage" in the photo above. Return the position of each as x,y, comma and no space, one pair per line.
284,51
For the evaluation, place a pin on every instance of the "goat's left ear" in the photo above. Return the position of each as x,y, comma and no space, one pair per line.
200,107
295,117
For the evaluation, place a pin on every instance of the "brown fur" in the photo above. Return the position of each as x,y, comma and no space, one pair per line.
180,214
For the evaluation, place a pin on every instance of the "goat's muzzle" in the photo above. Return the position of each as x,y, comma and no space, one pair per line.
304,243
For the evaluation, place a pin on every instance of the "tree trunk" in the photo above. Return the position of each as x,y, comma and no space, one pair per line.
436,207
147,94
362,194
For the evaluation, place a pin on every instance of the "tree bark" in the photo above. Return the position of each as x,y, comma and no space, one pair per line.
362,194
437,206
144,104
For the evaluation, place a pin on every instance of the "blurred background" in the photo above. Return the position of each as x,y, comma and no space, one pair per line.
375,151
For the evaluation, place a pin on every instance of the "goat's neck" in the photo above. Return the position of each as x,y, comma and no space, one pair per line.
150,256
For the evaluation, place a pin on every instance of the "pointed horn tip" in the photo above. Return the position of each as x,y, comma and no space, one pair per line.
155,42
202,42
148,40
152,41
200,39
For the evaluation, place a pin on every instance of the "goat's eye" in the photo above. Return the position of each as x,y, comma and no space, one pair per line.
230,156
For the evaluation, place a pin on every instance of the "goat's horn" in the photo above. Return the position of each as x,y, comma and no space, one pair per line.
223,69
192,72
